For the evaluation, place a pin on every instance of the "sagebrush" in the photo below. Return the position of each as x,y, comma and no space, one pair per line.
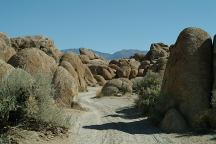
148,92
23,96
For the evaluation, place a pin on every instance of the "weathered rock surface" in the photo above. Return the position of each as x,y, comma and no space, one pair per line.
155,60
70,69
101,81
65,85
117,87
89,78
43,43
105,71
156,51
125,68
91,55
173,122
84,76
188,75
34,61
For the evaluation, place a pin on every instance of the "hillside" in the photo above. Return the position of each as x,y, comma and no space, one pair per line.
119,54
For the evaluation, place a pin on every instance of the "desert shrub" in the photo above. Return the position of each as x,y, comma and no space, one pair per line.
4,139
148,92
136,83
14,91
25,97
42,106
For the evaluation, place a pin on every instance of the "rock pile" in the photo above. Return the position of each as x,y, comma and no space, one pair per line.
38,54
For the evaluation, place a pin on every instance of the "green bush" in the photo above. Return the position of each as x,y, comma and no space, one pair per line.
4,139
41,104
148,92
14,92
25,97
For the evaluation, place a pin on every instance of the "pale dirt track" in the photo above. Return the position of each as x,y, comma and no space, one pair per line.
113,120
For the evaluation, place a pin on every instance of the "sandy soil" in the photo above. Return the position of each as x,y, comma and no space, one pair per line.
113,120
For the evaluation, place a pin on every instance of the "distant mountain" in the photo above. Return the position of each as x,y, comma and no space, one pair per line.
126,53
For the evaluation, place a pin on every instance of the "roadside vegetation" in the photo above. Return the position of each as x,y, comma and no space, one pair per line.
148,90
28,102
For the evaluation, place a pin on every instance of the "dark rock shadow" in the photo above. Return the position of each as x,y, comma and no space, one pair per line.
127,113
136,127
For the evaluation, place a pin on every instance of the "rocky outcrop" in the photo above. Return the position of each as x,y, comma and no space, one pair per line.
70,69
123,72
157,50
85,59
188,75
88,53
117,87
155,60
125,68
101,81
34,61
106,72
96,64
65,85
138,57
40,42
85,77
89,78
6,52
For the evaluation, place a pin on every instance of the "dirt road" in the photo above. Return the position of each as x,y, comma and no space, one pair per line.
113,120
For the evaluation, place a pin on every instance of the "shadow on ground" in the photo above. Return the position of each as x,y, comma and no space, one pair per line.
140,126
127,113
135,127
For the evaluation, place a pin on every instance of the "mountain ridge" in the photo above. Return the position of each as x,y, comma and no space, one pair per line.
124,53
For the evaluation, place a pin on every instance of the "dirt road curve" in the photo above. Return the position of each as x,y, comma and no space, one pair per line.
112,120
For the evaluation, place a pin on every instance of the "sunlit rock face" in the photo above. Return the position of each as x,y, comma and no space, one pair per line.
188,76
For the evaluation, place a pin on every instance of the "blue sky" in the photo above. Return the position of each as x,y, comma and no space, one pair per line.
106,25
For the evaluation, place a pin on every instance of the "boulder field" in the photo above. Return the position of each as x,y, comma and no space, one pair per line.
188,69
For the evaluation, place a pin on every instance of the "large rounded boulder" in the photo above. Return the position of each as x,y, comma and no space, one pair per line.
100,80
65,85
40,42
70,69
125,68
173,122
84,75
156,51
103,70
188,75
34,61
91,55
117,87
88,76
